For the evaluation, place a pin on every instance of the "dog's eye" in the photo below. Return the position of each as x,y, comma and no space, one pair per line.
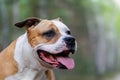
68,32
51,33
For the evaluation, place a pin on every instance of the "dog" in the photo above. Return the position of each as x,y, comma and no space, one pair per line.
45,45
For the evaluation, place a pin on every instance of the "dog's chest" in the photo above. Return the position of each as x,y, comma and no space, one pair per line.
28,75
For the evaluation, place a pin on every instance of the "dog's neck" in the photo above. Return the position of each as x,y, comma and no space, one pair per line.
28,66
25,54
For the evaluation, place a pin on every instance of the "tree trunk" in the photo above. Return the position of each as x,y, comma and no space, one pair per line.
5,38
43,10
97,38
15,11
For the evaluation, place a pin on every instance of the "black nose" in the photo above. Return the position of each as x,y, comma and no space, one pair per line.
70,41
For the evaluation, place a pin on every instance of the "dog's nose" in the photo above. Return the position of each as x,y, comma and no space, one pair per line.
70,41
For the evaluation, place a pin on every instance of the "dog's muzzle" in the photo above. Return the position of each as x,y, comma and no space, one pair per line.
59,58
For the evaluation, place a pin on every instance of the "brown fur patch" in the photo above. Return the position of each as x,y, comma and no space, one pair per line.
8,66
35,36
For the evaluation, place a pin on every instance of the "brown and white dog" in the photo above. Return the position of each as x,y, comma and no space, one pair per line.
45,45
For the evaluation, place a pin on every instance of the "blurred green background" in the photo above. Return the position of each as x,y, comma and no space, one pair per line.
94,23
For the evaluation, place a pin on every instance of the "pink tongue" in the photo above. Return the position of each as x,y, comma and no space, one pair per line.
66,61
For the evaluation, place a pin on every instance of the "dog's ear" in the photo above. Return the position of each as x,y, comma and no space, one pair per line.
59,19
28,22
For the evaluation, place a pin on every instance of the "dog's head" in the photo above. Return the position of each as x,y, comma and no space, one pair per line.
51,40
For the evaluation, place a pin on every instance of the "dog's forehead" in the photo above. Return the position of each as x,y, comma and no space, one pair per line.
57,25
61,26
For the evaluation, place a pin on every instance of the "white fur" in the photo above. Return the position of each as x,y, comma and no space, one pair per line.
28,74
61,27
55,48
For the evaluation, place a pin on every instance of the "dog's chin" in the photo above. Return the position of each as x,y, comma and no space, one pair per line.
60,60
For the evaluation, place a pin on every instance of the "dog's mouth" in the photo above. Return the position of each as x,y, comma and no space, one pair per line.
60,60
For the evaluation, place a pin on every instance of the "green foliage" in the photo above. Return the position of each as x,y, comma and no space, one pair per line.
25,9
117,26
